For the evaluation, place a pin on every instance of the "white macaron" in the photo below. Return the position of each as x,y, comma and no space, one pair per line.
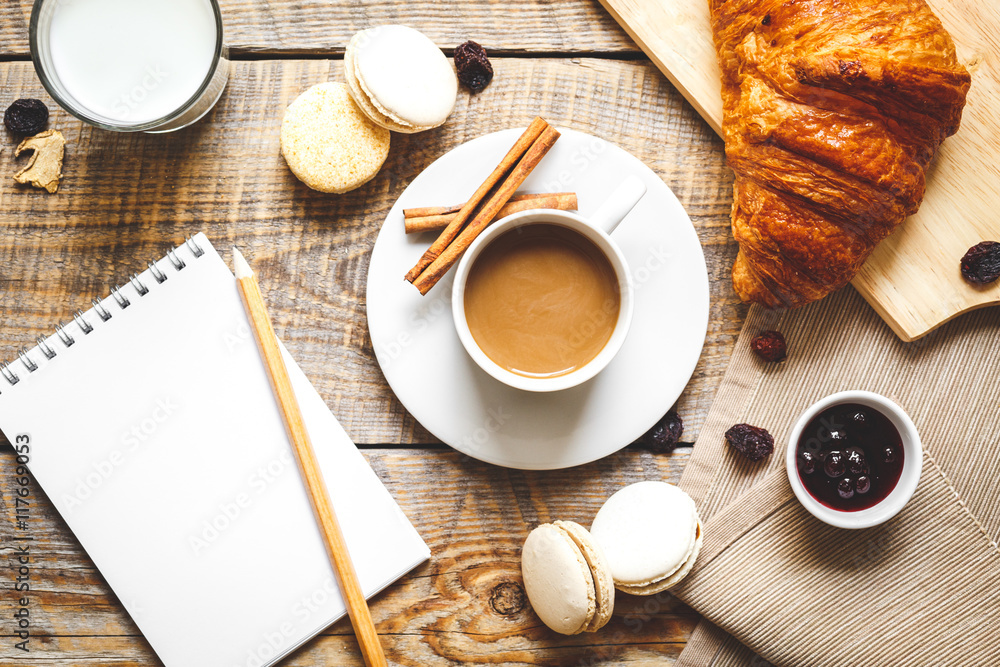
650,534
567,579
400,78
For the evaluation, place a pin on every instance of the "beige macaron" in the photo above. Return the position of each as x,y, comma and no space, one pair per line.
400,79
328,143
650,535
673,579
567,578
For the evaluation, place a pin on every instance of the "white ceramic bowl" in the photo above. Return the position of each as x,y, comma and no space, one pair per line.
891,505
589,230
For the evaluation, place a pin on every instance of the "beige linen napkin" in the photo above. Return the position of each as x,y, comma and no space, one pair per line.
922,589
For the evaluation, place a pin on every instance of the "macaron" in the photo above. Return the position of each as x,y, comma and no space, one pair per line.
400,79
567,579
650,534
671,581
328,143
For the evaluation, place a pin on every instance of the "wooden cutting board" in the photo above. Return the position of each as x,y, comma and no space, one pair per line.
912,279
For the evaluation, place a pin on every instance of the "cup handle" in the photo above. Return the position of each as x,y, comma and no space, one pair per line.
619,204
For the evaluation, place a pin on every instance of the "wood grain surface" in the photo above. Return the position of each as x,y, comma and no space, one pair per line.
259,28
677,37
912,278
126,198
465,606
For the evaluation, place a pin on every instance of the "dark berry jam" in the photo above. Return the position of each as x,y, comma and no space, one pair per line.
849,457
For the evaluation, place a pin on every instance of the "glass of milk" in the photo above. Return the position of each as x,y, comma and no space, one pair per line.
131,65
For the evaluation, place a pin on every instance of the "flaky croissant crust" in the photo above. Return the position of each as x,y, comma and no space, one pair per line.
833,112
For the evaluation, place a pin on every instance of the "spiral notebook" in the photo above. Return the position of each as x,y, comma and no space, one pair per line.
154,432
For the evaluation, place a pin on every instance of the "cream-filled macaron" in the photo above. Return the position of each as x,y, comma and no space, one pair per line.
328,143
604,583
567,578
671,581
650,534
400,78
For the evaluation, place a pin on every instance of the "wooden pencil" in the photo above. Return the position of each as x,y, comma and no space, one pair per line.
336,547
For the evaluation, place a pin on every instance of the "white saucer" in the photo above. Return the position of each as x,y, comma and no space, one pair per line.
425,364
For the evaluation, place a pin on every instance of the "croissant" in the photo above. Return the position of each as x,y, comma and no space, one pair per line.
833,112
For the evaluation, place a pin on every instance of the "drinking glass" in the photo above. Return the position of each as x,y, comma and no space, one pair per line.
166,86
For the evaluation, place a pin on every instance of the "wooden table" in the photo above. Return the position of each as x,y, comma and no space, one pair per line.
127,198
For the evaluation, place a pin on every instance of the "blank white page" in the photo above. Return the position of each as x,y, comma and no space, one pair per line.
158,439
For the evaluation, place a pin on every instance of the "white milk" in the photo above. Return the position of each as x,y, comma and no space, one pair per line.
132,61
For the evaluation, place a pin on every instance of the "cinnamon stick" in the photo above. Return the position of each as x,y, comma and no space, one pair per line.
427,211
513,156
487,213
436,218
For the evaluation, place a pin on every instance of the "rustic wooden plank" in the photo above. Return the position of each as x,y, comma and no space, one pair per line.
126,198
465,606
272,27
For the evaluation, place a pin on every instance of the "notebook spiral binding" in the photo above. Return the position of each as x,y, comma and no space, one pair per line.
85,326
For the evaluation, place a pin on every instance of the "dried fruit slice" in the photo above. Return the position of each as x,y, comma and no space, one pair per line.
44,168
26,116
770,346
752,442
475,71
664,436
981,264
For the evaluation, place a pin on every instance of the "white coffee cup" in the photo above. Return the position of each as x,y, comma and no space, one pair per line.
597,228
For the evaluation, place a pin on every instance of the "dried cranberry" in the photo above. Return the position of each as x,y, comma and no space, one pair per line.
27,116
770,346
752,442
663,437
474,69
981,265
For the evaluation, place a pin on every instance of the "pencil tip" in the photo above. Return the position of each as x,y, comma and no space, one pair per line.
243,269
